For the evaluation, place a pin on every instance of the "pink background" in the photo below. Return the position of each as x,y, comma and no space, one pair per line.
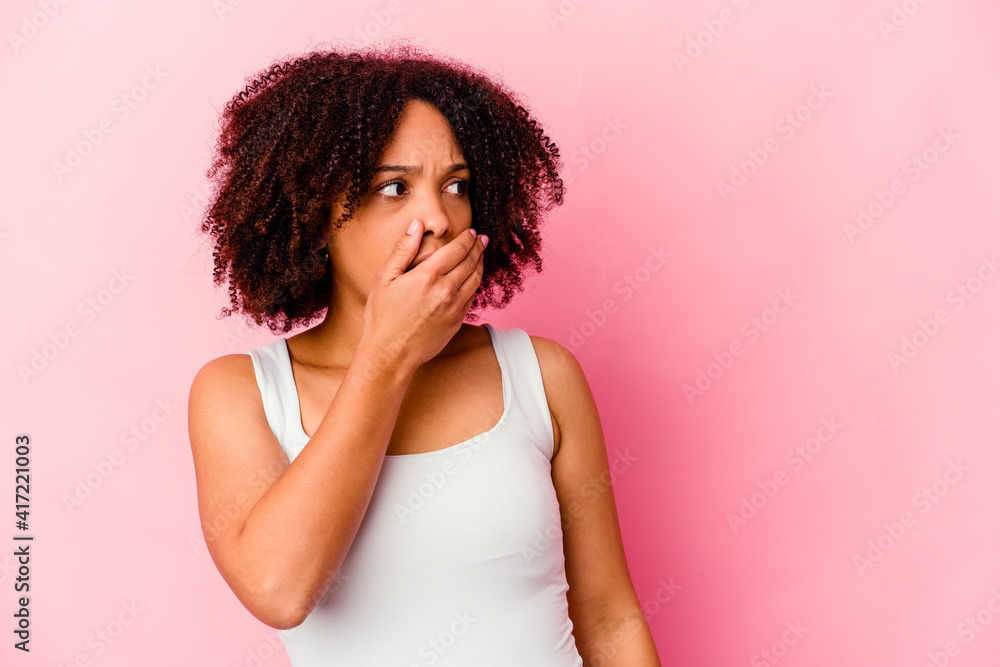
653,106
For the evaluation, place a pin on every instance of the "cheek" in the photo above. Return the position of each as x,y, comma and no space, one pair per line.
381,249
466,212
372,254
366,245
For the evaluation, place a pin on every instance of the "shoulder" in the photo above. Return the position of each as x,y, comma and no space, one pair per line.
554,358
227,368
225,399
222,378
564,381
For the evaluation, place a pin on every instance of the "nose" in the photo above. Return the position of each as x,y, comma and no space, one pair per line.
431,212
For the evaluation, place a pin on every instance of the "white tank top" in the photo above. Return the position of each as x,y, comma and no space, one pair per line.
459,558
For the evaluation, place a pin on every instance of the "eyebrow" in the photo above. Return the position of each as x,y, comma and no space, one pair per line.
407,169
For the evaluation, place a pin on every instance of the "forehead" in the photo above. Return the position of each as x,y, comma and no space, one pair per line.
422,132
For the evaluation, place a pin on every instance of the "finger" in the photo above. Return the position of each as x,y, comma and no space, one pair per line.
462,270
450,255
472,282
404,251
468,305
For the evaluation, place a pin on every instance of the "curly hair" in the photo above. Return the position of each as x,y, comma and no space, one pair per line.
308,132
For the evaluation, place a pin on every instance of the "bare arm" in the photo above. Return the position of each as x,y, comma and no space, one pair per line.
279,532
287,527
608,621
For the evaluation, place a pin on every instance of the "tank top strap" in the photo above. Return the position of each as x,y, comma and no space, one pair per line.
527,391
516,356
272,369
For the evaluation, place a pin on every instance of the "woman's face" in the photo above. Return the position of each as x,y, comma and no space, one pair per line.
422,174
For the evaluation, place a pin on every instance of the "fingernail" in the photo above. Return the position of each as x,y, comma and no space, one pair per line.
413,227
485,238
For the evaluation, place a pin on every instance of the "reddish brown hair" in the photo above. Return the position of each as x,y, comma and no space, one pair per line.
307,131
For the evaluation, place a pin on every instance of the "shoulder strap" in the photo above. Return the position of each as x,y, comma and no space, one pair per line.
528,392
269,365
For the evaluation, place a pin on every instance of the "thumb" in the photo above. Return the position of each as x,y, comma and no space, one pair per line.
404,251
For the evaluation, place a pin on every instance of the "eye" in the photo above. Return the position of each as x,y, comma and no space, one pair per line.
386,186
464,183
463,188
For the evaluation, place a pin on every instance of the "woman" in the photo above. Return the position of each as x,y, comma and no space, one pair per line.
395,486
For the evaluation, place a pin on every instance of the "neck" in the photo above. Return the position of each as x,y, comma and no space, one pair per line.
333,342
